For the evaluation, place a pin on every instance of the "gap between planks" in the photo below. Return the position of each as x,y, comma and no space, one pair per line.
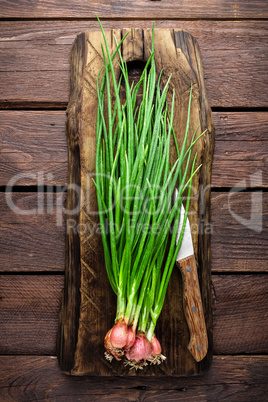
38,377
30,307
232,52
34,141
134,9
36,242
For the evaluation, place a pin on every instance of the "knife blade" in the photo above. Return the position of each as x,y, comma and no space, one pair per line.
192,302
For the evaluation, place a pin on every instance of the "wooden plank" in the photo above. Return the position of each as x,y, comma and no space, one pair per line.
134,9
240,314
36,242
34,59
230,378
239,232
178,54
241,148
30,307
35,246
32,142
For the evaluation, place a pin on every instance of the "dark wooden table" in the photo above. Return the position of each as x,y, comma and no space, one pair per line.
35,43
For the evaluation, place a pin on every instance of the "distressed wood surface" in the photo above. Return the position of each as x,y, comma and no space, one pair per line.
35,242
241,300
239,378
241,149
34,70
232,52
134,9
176,53
35,141
36,138
32,233
66,345
193,309
30,306
240,220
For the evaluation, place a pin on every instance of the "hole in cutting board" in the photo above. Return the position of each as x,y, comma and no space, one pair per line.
135,69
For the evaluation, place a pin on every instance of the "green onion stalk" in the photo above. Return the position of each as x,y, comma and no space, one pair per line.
135,183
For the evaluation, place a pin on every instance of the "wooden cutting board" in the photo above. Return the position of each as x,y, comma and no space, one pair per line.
88,303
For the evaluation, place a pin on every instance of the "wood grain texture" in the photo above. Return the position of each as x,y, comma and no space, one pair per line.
241,149
30,306
34,65
71,296
239,378
239,293
36,242
239,231
134,9
35,141
176,53
32,232
193,309
34,73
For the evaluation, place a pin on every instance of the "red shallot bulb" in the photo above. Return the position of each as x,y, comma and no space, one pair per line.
141,350
156,347
119,334
110,350
130,338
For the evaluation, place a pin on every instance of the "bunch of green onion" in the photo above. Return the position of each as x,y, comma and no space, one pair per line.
135,182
